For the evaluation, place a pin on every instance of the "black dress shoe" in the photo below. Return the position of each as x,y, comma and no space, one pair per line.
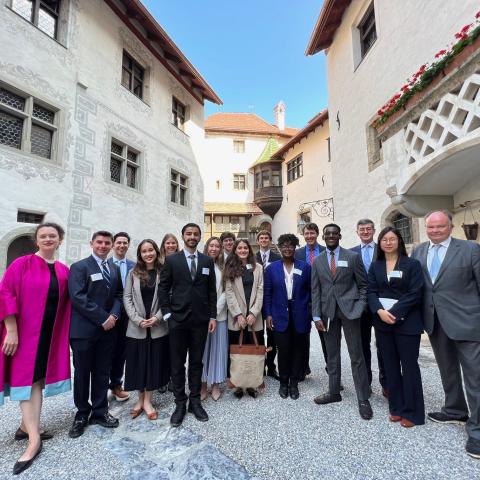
365,410
473,448
272,372
178,415
327,398
294,393
283,390
78,427
238,393
19,466
440,417
21,435
196,408
252,392
107,421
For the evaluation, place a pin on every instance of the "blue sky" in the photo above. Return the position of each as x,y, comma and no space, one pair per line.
251,52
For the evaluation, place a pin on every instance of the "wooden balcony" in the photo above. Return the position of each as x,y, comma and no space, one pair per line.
269,199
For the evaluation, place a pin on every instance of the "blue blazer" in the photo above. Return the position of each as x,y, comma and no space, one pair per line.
275,300
92,301
407,290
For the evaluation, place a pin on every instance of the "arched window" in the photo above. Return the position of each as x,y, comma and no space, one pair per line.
404,225
20,246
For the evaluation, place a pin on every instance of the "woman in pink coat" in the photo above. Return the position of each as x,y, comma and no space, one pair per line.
34,328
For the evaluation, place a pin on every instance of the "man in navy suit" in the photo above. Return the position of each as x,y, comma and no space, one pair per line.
95,289
368,251
121,242
309,253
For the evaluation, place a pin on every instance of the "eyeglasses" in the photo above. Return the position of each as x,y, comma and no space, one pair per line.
286,247
389,240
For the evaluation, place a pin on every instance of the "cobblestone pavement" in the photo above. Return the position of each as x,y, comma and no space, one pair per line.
266,438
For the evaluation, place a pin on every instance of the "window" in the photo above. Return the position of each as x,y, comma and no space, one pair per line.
276,178
230,223
124,165
239,146
404,225
42,13
258,180
329,151
367,30
239,181
26,124
294,169
29,217
132,75
178,188
178,114
217,184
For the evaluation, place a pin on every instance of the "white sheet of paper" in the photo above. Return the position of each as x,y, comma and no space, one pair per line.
297,271
94,277
342,263
387,303
205,271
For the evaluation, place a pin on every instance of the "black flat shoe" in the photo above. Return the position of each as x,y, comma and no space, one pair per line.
252,392
178,415
238,393
107,421
21,435
19,466
294,393
77,428
326,398
283,390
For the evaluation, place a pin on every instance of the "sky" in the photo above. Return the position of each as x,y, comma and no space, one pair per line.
251,52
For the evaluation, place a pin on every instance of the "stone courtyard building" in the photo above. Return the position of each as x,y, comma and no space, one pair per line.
101,124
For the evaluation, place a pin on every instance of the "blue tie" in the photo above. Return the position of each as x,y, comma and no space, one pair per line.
435,263
106,274
122,265
367,258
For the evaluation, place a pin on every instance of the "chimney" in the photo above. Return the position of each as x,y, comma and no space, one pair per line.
279,113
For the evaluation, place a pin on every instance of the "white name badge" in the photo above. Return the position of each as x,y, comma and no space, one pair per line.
342,264
395,274
94,277
297,271
248,266
205,271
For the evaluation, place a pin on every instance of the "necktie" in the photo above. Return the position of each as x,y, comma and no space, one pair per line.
122,265
333,267
435,263
193,267
366,256
264,260
311,256
106,274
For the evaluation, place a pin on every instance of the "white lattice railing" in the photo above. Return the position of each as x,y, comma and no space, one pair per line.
456,115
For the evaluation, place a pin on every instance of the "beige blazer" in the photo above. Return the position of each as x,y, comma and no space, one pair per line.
237,304
132,299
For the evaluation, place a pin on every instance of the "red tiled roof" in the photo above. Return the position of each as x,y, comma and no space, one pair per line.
315,122
244,123
327,23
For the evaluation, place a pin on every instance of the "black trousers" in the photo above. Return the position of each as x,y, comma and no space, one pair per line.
270,362
187,337
92,359
119,351
292,350
234,338
366,331
404,381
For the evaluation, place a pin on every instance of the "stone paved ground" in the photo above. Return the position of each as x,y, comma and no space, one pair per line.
266,438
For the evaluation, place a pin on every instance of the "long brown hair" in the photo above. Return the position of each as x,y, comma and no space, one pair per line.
140,269
219,260
233,264
163,253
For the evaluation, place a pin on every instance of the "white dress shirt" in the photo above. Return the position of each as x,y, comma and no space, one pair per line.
288,282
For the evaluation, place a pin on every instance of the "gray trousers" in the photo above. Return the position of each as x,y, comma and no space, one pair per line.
450,356
353,337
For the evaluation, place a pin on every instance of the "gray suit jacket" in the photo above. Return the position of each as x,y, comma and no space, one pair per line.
347,289
455,296
132,300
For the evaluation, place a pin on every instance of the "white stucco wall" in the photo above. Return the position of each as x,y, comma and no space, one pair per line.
409,34
82,79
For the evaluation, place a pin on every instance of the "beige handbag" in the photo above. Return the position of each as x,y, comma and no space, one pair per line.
247,364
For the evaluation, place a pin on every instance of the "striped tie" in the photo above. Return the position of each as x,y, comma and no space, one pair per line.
106,274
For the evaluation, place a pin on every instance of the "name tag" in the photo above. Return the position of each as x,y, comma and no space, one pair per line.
205,271
248,266
342,264
297,271
395,274
94,277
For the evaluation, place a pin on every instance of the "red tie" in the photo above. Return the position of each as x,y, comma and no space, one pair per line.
333,268
311,258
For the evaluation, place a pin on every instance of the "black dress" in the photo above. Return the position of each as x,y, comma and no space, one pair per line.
46,331
147,364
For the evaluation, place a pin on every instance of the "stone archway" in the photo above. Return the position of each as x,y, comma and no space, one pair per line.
22,245
6,253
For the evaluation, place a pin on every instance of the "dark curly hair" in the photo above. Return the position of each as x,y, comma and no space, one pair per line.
233,264
288,238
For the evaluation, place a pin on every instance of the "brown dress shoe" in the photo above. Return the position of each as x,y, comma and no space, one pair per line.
395,418
406,423
120,394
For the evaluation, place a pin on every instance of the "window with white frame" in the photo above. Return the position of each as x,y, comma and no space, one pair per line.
41,13
367,30
124,165
26,123
239,181
239,146
178,113
178,188
295,168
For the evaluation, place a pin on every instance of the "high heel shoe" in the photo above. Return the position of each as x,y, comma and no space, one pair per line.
135,412
20,466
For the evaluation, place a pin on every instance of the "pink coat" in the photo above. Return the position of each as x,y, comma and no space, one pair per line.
23,293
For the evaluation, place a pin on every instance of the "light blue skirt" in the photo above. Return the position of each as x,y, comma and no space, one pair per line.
216,355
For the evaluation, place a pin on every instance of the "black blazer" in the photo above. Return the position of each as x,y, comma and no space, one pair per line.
181,296
92,301
272,257
407,290
300,253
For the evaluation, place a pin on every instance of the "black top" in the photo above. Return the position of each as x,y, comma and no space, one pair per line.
148,291
247,280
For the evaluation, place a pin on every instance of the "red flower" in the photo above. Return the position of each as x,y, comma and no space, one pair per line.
396,97
380,112
440,53
405,88
465,29
461,36
477,15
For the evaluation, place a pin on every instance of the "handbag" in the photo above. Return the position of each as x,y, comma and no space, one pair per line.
247,364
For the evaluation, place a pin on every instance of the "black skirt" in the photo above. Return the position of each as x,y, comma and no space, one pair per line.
147,365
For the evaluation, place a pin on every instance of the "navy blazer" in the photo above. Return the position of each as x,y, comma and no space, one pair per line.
358,249
275,300
92,301
300,253
407,290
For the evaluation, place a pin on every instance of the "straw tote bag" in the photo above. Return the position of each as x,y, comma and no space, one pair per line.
247,363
